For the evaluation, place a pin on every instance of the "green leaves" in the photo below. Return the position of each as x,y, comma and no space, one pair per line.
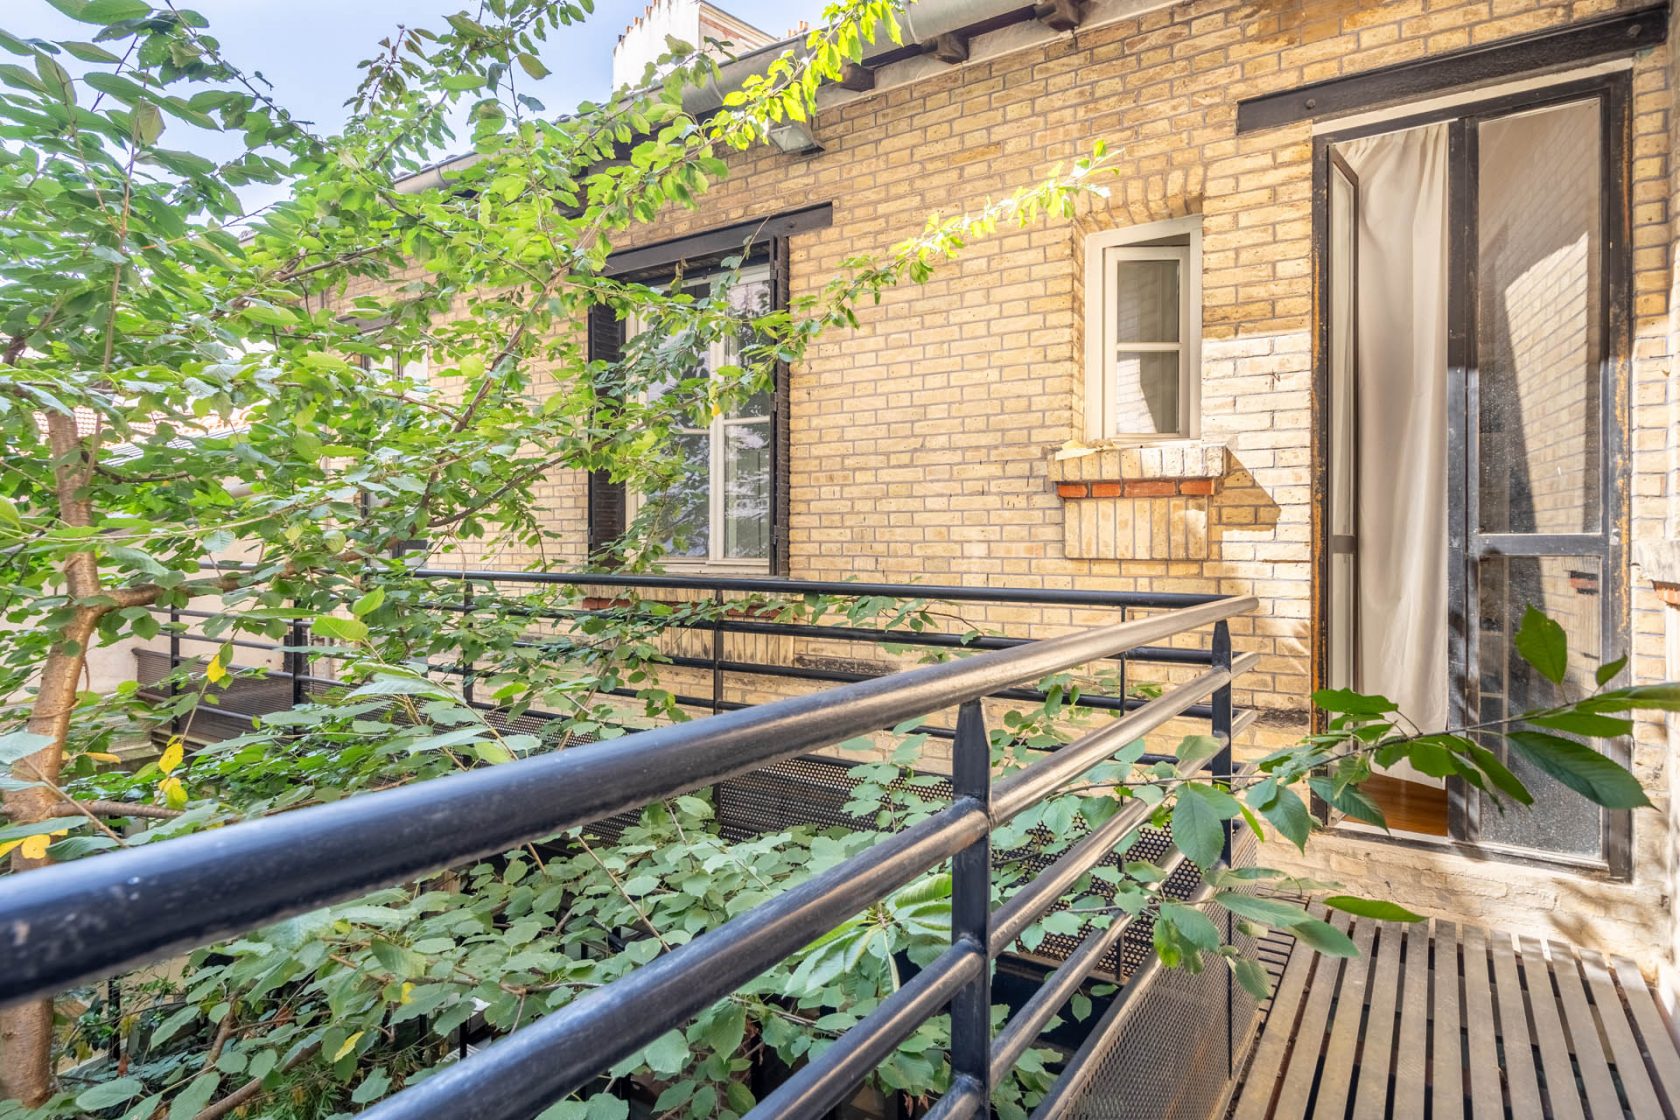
1349,702
1284,810
148,123
1542,643
1326,938
109,1093
1198,822
1371,908
1594,776
113,11
339,629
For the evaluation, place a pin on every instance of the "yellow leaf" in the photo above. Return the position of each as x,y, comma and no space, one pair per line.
172,755
407,993
215,670
103,756
35,847
174,793
349,1045
8,846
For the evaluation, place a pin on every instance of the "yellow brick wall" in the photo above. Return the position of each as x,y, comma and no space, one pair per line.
921,440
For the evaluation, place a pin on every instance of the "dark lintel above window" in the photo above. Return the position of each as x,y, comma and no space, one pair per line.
662,256
1574,44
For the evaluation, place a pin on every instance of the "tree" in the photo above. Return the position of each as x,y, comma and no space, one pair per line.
181,381
182,378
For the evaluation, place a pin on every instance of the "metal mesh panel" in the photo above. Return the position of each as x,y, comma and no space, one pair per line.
1194,1025
220,714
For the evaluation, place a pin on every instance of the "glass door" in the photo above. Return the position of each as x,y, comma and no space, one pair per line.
1540,255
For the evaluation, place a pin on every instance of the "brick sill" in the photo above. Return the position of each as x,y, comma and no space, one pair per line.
1170,468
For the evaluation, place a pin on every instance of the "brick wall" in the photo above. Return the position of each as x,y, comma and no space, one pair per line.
921,441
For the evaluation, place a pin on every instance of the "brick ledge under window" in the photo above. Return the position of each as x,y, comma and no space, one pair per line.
1188,467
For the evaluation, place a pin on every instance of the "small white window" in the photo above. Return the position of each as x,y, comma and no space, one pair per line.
1143,331
719,510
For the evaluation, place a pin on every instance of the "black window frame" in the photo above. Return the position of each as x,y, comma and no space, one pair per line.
762,241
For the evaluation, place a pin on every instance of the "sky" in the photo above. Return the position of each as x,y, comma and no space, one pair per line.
308,49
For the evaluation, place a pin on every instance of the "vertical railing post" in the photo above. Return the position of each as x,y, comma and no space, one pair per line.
468,664
1222,771
1222,717
717,651
174,669
295,659
971,908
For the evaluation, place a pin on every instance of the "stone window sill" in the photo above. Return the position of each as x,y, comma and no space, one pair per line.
1188,467
1138,502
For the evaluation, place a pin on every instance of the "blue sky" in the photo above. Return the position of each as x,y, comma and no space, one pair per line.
309,49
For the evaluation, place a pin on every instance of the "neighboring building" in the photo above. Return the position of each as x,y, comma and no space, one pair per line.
1376,325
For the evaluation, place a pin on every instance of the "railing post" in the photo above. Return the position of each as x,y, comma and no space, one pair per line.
1222,771
717,651
295,659
971,908
174,669
467,664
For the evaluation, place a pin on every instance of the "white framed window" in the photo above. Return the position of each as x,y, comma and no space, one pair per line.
718,517
1143,331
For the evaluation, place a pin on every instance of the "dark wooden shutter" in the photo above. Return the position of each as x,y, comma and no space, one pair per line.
780,495
606,497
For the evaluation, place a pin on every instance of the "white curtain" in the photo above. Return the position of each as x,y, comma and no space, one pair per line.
1402,371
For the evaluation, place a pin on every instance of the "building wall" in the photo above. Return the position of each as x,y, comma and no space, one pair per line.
922,441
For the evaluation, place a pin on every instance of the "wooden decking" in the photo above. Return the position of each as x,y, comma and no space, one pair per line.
1455,1023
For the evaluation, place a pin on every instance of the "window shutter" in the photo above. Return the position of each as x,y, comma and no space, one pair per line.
606,497
780,495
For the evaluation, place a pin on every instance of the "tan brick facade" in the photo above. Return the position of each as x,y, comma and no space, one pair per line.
922,442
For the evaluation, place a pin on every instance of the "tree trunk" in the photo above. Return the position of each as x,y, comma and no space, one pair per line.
26,1065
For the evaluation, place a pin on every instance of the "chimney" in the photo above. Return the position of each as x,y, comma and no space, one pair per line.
694,22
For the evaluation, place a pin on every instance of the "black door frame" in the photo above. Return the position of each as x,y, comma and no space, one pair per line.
1466,545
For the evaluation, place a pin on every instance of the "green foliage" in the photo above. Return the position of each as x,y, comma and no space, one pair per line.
181,381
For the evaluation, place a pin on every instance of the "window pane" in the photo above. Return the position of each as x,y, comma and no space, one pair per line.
1146,392
746,491
1146,305
684,516
749,299
1538,330
1566,588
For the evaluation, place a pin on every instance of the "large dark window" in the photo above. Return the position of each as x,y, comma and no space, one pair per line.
729,511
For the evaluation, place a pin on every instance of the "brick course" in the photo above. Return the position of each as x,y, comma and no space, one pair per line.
921,441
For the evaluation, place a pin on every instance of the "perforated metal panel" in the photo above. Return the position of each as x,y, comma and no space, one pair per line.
1169,1051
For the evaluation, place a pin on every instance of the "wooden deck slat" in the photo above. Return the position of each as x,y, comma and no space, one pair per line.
1454,1023
1654,1036
1446,1064
1522,1081
1270,1052
1630,1063
1335,1080
1411,1057
1483,1071
1562,1092
1376,1055
1602,1101
1296,1091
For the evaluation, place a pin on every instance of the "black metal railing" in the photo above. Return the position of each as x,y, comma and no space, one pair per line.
225,713
77,922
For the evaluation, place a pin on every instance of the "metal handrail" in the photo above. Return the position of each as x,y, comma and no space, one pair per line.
768,585
80,921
